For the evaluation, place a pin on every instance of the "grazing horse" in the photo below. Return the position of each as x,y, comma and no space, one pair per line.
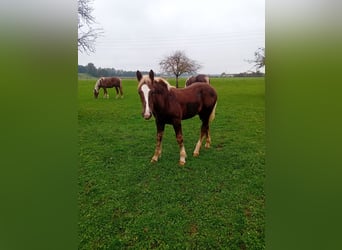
108,82
198,78
170,105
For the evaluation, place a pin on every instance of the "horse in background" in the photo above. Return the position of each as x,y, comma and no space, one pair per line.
108,82
198,78
170,105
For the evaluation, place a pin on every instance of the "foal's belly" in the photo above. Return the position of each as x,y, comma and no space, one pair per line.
171,119
179,112
188,116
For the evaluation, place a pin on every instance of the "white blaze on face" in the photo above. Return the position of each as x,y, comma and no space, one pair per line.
145,89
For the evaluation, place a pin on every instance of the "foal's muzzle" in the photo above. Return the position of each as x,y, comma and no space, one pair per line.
147,116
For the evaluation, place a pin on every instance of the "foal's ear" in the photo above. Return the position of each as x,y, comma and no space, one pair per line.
151,74
139,75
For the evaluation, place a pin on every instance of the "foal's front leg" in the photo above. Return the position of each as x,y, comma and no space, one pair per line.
105,93
179,137
158,150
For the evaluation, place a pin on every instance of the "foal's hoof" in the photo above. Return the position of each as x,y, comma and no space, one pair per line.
181,163
195,154
153,160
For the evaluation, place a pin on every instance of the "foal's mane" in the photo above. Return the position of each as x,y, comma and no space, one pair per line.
157,80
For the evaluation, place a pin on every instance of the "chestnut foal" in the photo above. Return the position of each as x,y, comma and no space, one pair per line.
170,105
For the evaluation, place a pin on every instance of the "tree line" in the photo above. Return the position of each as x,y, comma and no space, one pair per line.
91,70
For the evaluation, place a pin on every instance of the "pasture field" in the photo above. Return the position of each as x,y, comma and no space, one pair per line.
216,201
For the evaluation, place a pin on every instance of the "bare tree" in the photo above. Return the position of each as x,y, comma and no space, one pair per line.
259,58
177,64
87,35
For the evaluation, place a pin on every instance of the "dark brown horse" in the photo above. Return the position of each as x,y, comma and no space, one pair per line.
170,105
198,78
108,82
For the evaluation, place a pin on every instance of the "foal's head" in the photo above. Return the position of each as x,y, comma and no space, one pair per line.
144,90
151,89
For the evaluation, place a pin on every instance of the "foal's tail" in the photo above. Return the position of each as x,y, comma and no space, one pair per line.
212,115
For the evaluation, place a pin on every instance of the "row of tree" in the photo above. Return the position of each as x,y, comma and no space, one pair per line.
243,74
91,70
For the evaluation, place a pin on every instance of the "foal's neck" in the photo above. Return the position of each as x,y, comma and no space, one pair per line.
161,98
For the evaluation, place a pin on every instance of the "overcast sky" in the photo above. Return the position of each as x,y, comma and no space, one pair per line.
220,34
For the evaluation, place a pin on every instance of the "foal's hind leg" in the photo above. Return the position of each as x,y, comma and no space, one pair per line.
204,133
208,139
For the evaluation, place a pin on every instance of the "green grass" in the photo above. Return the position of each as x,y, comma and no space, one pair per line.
216,201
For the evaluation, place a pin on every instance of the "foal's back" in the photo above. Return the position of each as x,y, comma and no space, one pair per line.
199,98
113,82
199,92
196,79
